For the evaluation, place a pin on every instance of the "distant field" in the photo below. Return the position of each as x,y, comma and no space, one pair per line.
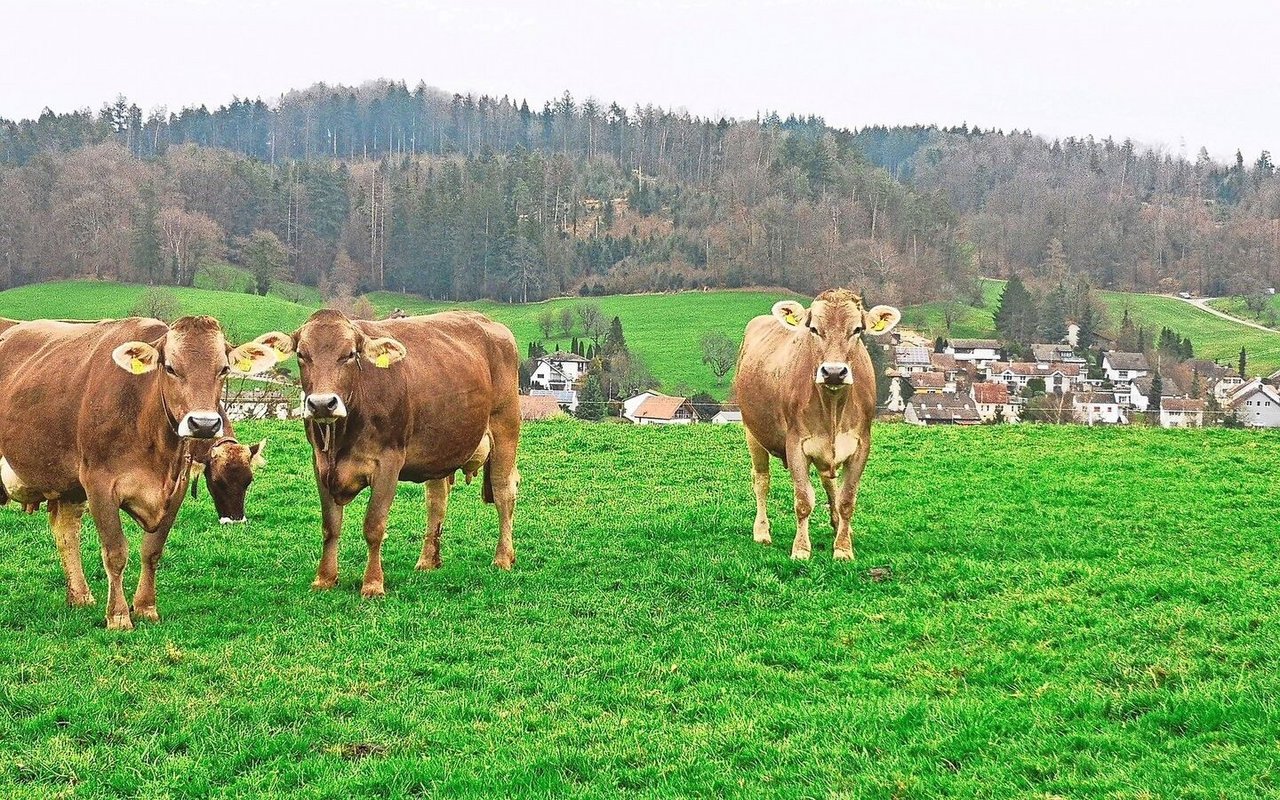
1057,624
1236,307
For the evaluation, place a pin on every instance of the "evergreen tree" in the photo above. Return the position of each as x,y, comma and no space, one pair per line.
1128,338
1244,362
1015,317
1157,389
145,246
1053,315
614,340
591,401
1197,386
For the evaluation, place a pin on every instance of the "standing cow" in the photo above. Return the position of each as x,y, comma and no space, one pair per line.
412,399
104,414
808,394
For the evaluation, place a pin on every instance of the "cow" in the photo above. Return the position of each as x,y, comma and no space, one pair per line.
103,415
807,391
413,399
228,468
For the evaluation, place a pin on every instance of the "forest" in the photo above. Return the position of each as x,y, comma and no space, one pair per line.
455,197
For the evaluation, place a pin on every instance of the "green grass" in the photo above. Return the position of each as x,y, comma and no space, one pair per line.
1072,613
1212,337
1237,307
971,323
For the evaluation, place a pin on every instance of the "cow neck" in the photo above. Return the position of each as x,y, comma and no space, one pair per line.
831,405
168,440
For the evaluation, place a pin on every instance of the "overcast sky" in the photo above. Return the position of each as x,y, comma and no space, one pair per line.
1176,73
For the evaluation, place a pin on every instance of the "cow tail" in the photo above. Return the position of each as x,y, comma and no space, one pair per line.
486,490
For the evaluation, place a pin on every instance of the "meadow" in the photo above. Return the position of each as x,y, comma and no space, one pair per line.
1068,613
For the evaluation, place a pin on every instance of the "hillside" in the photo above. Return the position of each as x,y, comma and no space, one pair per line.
1057,632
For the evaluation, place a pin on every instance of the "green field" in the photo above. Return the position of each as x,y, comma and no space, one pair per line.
1237,307
1072,613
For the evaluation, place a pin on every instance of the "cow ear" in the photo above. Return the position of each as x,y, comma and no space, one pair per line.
251,358
255,455
882,319
790,314
282,343
136,357
383,351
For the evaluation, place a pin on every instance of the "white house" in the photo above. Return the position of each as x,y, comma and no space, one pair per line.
726,417
1180,412
556,375
942,409
978,351
1099,408
1058,378
1257,405
911,359
630,405
993,402
663,410
1123,368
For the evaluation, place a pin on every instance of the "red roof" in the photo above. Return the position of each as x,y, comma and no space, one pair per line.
1182,404
994,393
660,407
534,408
928,380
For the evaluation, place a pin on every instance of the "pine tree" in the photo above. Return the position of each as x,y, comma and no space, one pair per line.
591,401
1015,317
1157,389
1244,361
614,340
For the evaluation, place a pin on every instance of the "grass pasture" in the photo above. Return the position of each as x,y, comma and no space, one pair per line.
1072,613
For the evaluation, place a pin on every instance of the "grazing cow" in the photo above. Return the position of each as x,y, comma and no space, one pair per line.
808,394
104,415
228,468
413,399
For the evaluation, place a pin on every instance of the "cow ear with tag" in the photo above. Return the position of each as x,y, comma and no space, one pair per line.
136,357
383,351
282,344
251,359
882,319
790,314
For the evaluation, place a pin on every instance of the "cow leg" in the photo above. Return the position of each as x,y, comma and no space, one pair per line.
798,465
144,600
64,521
331,514
437,501
760,486
843,549
383,490
833,503
115,554
503,479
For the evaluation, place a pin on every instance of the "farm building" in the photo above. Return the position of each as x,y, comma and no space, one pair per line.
942,409
534,408
1256,404
726,417
659,409
1180,412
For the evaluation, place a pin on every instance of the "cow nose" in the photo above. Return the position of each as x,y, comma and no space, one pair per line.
325,406
201,425
833,373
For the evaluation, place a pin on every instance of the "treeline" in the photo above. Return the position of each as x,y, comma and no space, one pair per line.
458,197
1116,215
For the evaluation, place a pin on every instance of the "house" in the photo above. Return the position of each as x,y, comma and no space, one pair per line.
993,402
947,364
556,375
1214,377
977,351
1058,378
1180,412
537,408
1256,404
942,409
663,410
726,417
1047,354
1122,368
631,404
1099,408
930,383
911,359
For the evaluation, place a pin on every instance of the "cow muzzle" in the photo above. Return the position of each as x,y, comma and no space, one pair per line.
324,407
201,425
833,374
230,521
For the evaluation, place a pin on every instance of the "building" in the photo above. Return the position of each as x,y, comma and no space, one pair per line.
993,402
942,409
534,408
1047,354
930,383
1099,408
631,404
1123,368
663,410
947,364
911,359
1058,378
977,351
1181,412
1256,404
725,417
260,404
556,375
1141,391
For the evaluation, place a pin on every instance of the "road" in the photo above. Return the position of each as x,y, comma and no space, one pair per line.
1202,303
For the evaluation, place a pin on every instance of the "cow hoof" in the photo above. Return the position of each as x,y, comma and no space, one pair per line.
371,590
321,584
842,555
80,600
148,613
504,562
119,622
761,534
799,554
425,565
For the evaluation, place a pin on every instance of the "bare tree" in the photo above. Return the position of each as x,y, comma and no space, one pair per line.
719,352
157,303
566,320
546,322
187,237
593,322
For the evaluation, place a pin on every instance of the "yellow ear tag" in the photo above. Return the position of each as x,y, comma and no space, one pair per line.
281,354
244,365
879,326
792,319
383,360
137,366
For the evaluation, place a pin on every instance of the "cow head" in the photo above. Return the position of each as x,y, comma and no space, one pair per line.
228,473
332,352
833,326
191,361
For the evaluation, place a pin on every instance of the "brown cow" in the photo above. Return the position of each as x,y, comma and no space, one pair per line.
412,399
103,414
808,394
228,468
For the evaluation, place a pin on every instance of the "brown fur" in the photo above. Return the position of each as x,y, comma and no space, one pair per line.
790,416
421,419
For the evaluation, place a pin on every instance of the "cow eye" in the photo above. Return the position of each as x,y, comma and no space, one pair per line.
858,331
814,331
224,372
348,358
170,370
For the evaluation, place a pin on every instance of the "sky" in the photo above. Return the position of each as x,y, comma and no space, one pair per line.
1177,74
